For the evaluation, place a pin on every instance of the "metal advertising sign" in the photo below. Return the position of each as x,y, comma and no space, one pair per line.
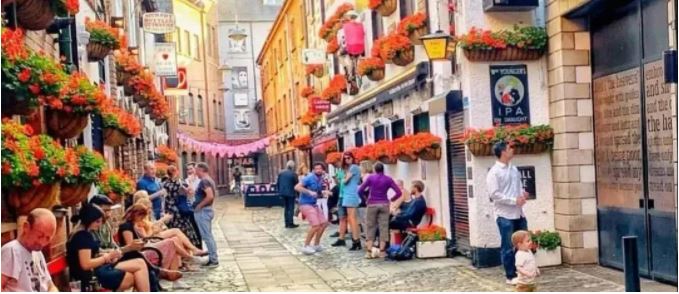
319,105
165,59
509,94
158,22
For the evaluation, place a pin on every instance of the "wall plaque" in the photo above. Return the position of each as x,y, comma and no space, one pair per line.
509,94
528,180
617,125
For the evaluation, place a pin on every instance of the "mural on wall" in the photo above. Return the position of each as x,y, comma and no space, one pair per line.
242,119
236,46
239,77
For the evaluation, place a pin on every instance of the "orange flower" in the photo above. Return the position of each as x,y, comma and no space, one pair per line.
412,22
333,46
307,91
24,75
336,86
367,65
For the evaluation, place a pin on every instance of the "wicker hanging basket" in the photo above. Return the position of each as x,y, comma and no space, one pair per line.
41,196
510,53
387,7
34,15
430,154
416,34
97,51
73,194
407,158
405,57
479,149
114,137
387,160
122,77
65,125
128,90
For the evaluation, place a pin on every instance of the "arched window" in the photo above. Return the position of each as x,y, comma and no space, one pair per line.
194,157
202,157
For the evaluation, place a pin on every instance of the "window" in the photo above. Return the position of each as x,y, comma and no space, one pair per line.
178,38
202,157
190,108
406,7
199,109
194,157
358,139
195,51
186,43
340,144
379,133
215,115
377,25
398,129
421,123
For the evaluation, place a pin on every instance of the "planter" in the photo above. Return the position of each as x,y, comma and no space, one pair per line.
42,196
114,137
387,7
34,15
479,149
122,77
319,73
73,194
376,75
13,106
548,258
140,100
97,51
159,121
148,110
387,160
405,57
416,34
508,54
128,90
407,158
336,100
65,125
430,154
430,249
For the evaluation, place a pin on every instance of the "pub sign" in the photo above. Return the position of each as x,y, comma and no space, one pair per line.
509,94
528,180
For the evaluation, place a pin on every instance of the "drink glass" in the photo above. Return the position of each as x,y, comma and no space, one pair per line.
75,286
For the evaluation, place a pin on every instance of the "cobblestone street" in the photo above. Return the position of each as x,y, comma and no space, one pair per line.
258,254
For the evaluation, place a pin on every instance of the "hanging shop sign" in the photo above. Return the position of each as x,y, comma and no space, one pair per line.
313,56
158,22
509,94
176,85
528,180
165,59
319,105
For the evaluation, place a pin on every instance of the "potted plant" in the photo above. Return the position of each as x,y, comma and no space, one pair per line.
329,28
29,79
307,91
332,47
386,152
365,154
427,146
37,15
139,87
166,154
79,97
384,7
85,168
127,65
115,184
158,108
431,242
333,92
315,69
103,39
398,49
333,158
547,248
309,118
302,142
32,168
524,138
372,67
119,125
414,26
521,43
161,169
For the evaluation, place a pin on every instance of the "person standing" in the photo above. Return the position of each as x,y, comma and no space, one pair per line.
192,180
506,191
310,188
350,199
378,208
286,182
237,177
341,211
176,204
149,183
23,265
202,211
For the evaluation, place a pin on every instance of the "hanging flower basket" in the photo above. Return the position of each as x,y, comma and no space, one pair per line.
65,125
41,196
431,154
122,77
404,57
414,26
416,34
336,100
128,90
407,158
387,7
479,149
73,194
34,15
376,75
388,160
97,51
510,53
531,148
114,137
141,100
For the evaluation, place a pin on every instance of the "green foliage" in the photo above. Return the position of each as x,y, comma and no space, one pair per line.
546,240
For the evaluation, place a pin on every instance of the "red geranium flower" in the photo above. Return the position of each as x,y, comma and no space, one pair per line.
24,75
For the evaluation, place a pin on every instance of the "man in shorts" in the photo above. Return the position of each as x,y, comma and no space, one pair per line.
311,188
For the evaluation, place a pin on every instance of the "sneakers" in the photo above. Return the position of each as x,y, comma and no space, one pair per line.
339,243
318,248
513,281
195,260
211,264
179,285
308,250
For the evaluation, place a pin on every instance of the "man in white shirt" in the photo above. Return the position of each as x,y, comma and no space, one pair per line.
23,266
192,180
506,192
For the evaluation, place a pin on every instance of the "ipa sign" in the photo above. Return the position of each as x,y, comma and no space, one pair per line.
165,59
509,94
158,22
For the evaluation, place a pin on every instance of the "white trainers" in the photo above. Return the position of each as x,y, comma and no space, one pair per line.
308,250
513,281
196,260
318,248
179,285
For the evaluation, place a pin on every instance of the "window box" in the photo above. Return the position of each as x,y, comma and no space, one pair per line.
431,249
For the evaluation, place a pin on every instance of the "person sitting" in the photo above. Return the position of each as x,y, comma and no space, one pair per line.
36,233
412,213
85,261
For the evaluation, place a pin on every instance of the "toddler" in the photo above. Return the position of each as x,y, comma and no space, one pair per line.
526,267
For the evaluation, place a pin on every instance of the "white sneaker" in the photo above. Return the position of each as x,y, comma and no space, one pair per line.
318,248
513,281
179,285
308,250
196,260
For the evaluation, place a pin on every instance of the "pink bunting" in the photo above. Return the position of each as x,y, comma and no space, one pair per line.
223,149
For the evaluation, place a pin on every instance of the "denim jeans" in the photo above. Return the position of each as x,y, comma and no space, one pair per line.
507,228
289,205
204,221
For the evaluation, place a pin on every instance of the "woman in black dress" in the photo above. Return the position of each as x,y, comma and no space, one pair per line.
182,217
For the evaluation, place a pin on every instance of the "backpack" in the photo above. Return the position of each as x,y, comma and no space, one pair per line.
405,251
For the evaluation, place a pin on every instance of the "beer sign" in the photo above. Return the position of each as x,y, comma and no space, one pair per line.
158,22
509,94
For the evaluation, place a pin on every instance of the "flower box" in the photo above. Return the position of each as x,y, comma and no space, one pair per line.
65,125
71,195
387,7
548,257
479,149
524,138
431,249
114,137
97,51
40,196
407,158
388,160
510,53
430,154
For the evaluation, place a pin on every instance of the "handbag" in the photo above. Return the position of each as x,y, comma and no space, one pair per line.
183,205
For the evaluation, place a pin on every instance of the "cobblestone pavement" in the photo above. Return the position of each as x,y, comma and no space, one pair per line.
258,254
